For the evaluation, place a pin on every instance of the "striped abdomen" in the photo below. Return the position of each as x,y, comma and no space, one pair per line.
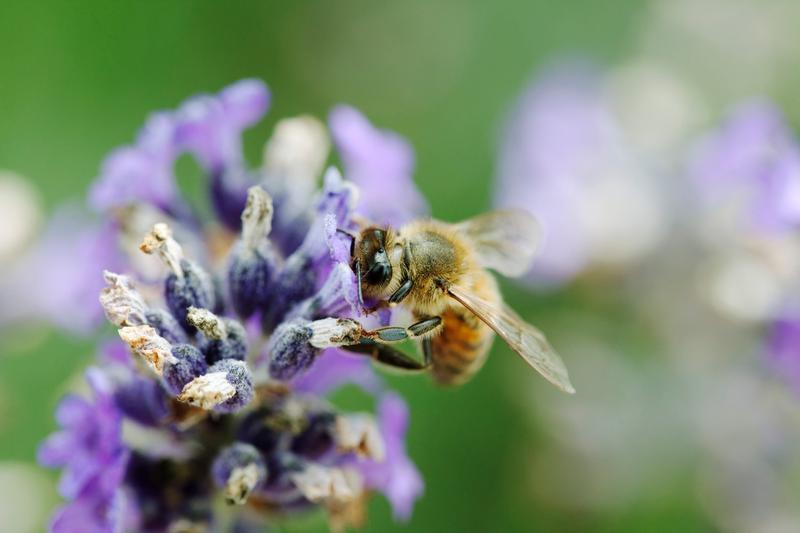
460,348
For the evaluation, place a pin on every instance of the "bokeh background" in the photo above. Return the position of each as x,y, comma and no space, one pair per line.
679,424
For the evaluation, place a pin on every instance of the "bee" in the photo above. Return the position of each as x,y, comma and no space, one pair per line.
438,271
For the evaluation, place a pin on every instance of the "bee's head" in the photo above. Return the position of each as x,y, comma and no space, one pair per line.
370,257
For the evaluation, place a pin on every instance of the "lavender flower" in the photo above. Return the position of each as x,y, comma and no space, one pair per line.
564,158
752,158
745,176
38,294
231,344
93,457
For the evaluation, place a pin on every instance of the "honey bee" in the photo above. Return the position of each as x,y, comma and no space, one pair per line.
438,271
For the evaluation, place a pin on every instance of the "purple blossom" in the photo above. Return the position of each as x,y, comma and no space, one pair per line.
89,450
204,417
754,157
142,172
556,132
783,348
564,158
210,127
381,163
396,476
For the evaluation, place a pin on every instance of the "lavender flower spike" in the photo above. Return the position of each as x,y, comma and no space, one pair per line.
159,442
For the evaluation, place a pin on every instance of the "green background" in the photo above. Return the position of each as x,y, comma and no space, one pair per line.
78,78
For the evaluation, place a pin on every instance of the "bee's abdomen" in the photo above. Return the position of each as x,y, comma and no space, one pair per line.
460,349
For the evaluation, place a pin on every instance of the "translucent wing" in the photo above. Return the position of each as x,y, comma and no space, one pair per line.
504,240
526,340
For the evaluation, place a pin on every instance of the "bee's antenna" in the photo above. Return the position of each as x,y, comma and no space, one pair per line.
353,239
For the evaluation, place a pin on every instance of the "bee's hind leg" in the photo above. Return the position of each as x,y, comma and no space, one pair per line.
375,344
387,355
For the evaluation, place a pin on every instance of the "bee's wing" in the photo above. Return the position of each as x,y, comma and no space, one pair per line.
526,340
504,240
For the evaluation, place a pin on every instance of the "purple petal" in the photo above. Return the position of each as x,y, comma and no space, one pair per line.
245,102
396,476
783,349
381,164
141,173
73,412
334,369
56,450
211,126
754,156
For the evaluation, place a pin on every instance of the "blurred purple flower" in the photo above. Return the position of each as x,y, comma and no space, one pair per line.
395,476
89,450
783,348
755,157
381,164
563,157
59,279
555,133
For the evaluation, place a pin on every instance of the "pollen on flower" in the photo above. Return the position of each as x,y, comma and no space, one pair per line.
121,302
159,240
208,391
358,433
145,341
334,332
328,485
256,217
207,322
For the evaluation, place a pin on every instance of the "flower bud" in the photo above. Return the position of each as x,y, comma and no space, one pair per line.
187,285
256,428
289,350
142,400
295,283
223,338
318,436
189,364
191,289
166,326
239,469
225,388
